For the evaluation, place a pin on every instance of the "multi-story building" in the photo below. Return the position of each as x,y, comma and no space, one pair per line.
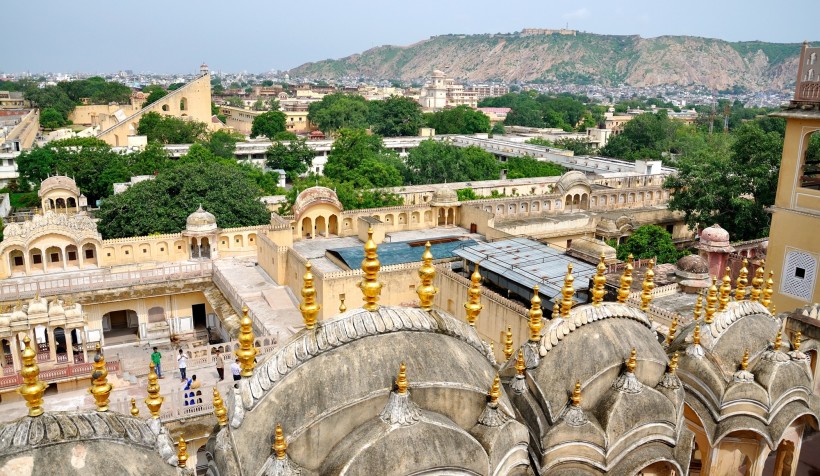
483,91
12,100
442,92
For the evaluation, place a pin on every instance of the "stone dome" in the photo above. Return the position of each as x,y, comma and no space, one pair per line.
18,315
58,182
444,196
714,236
38,306
571,179
315,195
56,308
692,264
200,221
4,320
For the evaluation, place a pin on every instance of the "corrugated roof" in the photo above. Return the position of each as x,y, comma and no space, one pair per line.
402,252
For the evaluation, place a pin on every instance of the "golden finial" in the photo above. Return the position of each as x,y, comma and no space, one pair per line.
696,334
774,310
135,412
576,394
626,281
796,343
401,380
495,390
673,363
648,286
742,281
556,308
473,305
768,290
632,363
220,411
725,290
32,388
154,400
598,282
427,273
672,328
535,315
711,301
370,285
246,352
342,307
567,292
698,307
508,344
778,340
757,283
182,453
744,363
100,388
309,307
520,366
280,446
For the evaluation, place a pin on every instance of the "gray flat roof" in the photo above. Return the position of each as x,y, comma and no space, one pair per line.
527,263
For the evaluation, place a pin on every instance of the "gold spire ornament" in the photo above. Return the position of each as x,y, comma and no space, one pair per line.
744,363
473,305
520,366
598,282
135,412
626,281
154,400
698,307
673,363
220,411
648,286
342,307
696,334
768,290
309,307
401,380
567,292
632,363
556,308
246,352
100,388
711,302
32,388
742,281
672,328
778,340
508,344
427,273
370,285
280,446
796,343
535,315
757,283
576,394
495,390
182,452
725,290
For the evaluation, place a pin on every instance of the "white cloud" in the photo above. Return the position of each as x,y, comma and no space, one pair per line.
579,14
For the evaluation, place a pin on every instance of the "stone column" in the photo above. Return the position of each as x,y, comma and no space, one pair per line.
52,344
64,255
69,347
80,256
26,262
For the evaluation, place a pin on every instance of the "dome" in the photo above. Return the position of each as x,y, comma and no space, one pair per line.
200,221
313,196
444,196
571,179
714,236
58,182
18,315
56,308
4,320
692,264
38,306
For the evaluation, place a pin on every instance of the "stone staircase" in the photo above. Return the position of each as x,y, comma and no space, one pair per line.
223,309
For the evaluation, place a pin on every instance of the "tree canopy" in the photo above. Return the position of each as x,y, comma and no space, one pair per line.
163,204
438,162
396,116
648,136
564,111
339,111
170,130
268,124
294,157
458,120
352,197
650,241
361,159
526,167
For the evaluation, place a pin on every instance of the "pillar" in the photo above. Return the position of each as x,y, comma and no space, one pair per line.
63,255
69,347
80,255
52,344
26,262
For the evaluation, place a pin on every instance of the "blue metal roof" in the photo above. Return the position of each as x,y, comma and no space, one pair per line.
401,252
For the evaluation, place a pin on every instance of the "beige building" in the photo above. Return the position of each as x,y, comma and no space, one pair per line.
442,92
12,100
241,119
794,247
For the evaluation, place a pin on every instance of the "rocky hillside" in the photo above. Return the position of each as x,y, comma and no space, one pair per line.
582,59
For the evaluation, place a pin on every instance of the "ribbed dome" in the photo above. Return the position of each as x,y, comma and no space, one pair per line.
693,264
56,308
444,196
714,236
200,220
38,306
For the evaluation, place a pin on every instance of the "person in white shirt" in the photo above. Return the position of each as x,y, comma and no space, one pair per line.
182,360
236,370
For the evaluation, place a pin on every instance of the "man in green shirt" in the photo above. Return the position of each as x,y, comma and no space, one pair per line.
156,358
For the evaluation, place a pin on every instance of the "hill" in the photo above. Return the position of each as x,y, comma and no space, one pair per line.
582,59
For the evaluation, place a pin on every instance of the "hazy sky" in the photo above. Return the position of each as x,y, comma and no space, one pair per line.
260,35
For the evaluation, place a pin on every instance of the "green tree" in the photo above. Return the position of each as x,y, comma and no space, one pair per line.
155,93
339,111
223,143
51,119
526,167
170,130
294,157
361,159
51,97
649,241
577,146
459,120
466,194
163,204
352,197
235,101
438,162
259,105
397,116
498,129
268,124
647,136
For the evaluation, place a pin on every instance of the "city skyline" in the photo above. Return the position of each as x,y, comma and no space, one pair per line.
263,37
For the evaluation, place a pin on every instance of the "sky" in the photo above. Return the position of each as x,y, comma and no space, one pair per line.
175,36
